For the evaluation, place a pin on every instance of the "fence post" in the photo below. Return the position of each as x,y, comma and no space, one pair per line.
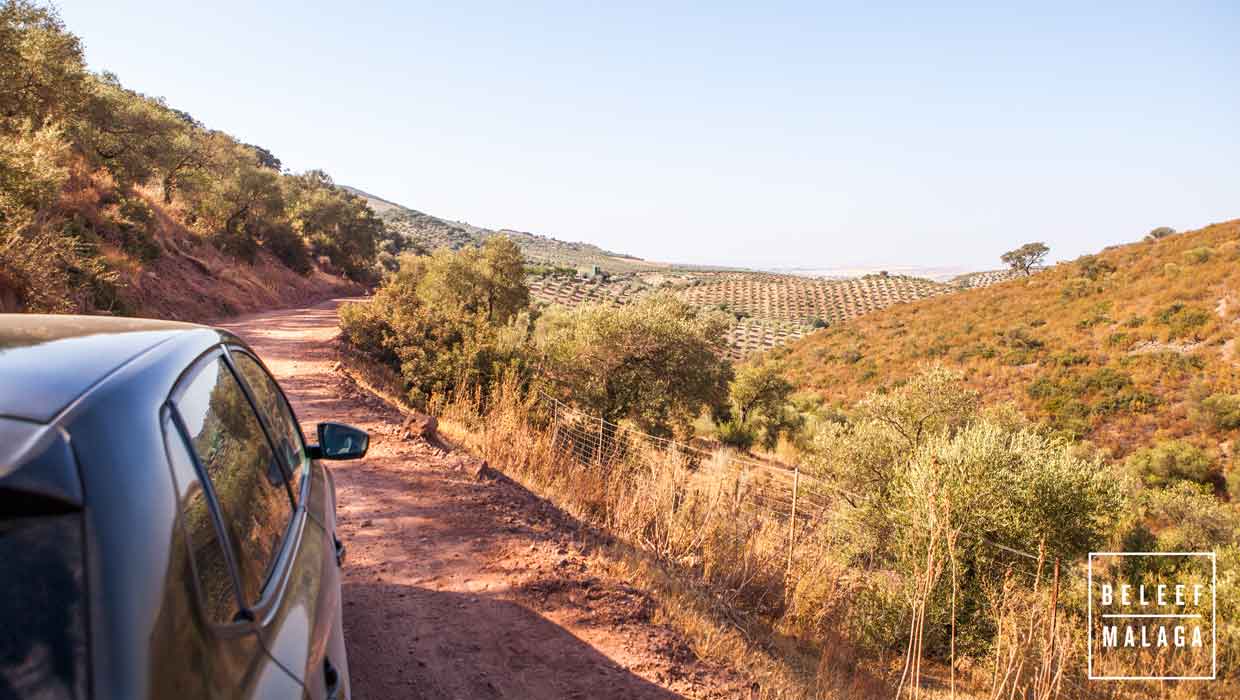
598,456
792,519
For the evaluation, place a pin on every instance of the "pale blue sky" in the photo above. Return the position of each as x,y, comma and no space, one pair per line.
756,134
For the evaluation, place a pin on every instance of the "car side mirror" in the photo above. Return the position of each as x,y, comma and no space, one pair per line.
340,441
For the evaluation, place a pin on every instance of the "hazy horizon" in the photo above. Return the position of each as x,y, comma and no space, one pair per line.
784,136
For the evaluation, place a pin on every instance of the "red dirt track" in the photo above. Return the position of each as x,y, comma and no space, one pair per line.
456,588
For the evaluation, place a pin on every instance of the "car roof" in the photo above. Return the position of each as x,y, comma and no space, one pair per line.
48,361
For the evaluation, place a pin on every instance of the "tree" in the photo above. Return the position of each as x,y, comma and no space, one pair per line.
333,222
1026,257
487,281
440,338
135,137
1159,233
42,70
759,402
657,362
927,457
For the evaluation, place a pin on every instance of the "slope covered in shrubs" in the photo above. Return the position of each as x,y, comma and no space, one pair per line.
1127,349
113,201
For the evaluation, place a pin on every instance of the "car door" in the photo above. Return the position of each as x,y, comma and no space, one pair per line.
237,518
303,629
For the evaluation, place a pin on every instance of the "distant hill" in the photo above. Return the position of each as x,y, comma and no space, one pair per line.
432,232
1124,348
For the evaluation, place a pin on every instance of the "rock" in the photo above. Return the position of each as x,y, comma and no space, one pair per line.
419,425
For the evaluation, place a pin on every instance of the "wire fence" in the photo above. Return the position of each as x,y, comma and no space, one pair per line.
778,492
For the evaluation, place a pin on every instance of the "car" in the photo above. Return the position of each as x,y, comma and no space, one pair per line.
165,529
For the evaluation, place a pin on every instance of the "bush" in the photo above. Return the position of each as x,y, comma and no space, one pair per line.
1021,338
927,455
1172,461
1222,411
734,433
440,344
279,239
851,356
1095,268
759,403
1182,321
1197,256
1160,233
1077,288
657,362
238,244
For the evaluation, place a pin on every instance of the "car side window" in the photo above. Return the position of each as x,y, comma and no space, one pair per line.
209,563
244,474
285,433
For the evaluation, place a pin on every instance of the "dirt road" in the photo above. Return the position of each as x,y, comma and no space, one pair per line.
457,588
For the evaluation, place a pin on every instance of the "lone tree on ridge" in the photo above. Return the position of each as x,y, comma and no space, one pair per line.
1026,257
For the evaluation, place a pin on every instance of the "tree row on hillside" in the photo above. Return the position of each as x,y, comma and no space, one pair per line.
87,166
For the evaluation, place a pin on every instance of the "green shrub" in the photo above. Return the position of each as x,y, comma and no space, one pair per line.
444,339
1095,268
1077,288
1222,411
1182,320
139,243
1121,340
1070,358
279,239
136,211
1021,339
1172,461
927,455
656,362
760,406
1107,379
976,350
736,434
1160,233
238,244
1199,255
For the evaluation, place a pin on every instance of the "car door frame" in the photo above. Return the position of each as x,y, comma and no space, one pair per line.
315,683
255,614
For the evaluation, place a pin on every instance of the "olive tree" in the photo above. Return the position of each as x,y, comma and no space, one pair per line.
1025,258
657,362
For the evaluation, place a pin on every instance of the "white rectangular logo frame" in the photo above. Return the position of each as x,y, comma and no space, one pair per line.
1213,616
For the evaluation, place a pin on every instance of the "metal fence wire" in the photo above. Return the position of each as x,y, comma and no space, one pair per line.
778,492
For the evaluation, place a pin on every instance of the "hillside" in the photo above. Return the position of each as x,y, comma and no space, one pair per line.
769,309
431,232
112,201
1126,348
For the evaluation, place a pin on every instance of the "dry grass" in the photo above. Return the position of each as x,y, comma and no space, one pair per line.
718,565
1120,364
